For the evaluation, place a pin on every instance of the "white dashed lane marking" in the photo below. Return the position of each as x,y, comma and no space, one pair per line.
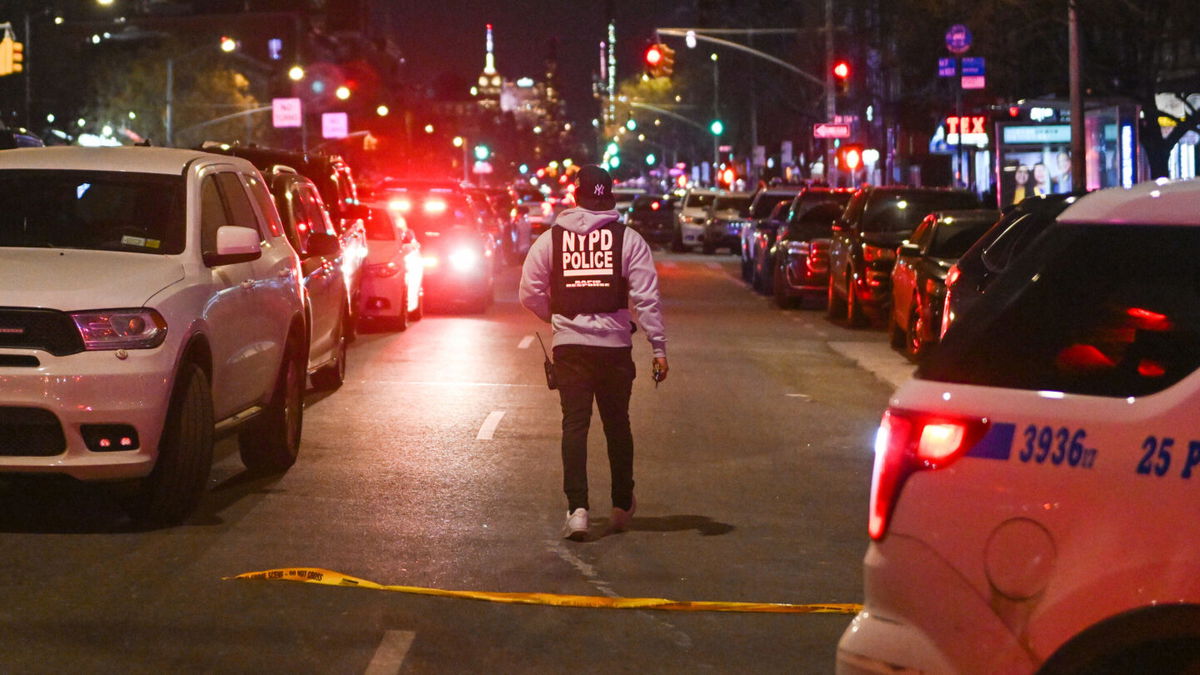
389,657
489,425
525,342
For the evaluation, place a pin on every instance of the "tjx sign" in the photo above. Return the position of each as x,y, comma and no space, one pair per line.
973,129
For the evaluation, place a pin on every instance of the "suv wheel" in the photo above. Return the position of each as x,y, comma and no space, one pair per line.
173,489
780,287
332,376
419,312
272,441
677,241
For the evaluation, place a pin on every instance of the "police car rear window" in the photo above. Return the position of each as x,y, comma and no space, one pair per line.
1097,310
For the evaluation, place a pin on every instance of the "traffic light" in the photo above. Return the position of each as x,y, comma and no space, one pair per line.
7,67
841,76
653,59
850,157
659,60
482,152
727,176
717,127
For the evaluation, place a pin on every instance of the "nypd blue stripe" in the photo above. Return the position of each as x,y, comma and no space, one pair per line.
997,444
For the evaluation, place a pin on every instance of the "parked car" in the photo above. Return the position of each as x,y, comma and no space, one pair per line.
653,216
767,212
1034,484
335,182
327,297
151,304
517,238
690,217
459,255
393,290
799,260
970,276
919,276
723,228
864,245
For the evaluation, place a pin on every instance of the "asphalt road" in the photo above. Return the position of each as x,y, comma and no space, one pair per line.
436,466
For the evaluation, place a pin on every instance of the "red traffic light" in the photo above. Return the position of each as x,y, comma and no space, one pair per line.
850,157
653,55
841,69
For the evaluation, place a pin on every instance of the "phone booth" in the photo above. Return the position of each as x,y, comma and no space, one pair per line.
1033,148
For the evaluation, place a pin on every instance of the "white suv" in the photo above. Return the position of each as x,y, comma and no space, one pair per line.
1036,487
148,302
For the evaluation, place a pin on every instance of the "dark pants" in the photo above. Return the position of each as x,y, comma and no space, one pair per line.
603,374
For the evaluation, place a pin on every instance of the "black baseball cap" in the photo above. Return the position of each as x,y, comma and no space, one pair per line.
594,189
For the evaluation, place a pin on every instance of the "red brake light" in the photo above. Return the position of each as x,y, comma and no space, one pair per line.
910,441
654,206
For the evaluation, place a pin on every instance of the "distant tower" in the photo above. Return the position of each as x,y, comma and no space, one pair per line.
488,88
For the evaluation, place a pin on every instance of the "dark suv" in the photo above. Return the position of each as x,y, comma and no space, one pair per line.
335,182
759,231
863,251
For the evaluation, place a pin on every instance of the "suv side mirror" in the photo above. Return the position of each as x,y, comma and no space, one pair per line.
322,244
235,244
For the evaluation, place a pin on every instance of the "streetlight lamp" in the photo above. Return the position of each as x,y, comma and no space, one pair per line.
460,142
226,45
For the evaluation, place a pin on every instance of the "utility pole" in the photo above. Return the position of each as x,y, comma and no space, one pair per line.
1078,153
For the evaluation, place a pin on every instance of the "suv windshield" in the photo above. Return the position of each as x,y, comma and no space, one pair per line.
98,210
739,204
766,202
1098,310
900,211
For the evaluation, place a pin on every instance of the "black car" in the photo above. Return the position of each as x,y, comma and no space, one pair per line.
864,245
918,279
799,260
653,217
759,231
969,278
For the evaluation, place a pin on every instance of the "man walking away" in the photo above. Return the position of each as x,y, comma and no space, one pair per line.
582,275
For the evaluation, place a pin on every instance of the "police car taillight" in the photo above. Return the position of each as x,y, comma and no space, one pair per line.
909,441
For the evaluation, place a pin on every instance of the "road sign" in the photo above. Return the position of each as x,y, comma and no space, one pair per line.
958,39
830,130
946,67
335,125
974,65
974,82
285,113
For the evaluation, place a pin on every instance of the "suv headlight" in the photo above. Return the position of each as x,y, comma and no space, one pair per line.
105,329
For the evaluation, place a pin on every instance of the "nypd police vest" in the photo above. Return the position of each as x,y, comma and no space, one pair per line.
587,272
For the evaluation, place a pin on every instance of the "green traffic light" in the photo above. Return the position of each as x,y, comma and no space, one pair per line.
651,159
482,152
717,127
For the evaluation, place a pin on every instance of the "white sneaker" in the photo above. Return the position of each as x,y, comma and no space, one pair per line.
622,518
577,525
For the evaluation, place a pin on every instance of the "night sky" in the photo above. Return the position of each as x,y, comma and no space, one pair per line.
439,36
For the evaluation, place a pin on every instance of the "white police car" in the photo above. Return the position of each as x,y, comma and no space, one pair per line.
1036,491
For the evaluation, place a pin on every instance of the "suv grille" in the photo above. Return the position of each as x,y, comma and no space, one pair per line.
45,329
30,432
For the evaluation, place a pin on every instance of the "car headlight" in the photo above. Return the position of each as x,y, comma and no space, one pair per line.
463,259
104,329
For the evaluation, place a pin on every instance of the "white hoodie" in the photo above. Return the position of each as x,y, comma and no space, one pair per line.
597,330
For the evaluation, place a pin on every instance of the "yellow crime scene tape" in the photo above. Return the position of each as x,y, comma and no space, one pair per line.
315,575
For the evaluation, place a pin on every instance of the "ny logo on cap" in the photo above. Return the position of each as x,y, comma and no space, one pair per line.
599,189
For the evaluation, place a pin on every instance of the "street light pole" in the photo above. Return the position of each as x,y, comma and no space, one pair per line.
716,116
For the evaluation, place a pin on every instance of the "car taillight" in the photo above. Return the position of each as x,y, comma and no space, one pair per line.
878,253
909,441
